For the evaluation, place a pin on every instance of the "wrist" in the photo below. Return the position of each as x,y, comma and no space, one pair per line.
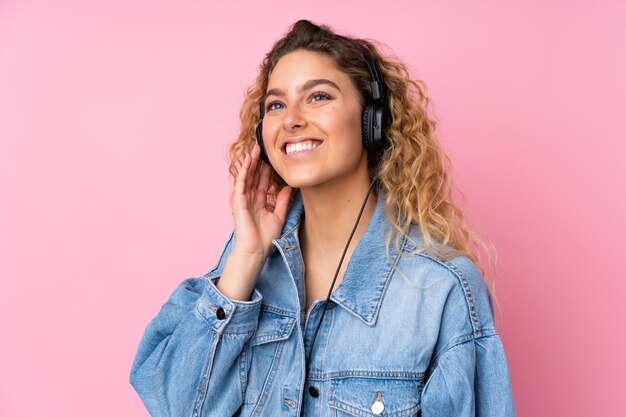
247,261
248,257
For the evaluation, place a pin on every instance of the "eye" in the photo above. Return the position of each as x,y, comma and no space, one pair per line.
320,94
324,96
269,106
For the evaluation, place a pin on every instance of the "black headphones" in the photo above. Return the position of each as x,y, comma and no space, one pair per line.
375,119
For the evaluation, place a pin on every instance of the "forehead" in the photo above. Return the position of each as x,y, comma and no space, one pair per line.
302,65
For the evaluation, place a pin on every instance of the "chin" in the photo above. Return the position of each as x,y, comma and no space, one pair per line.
301,183
299,178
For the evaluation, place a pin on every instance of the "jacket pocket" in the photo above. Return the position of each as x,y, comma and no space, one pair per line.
371,397
265,348
272,327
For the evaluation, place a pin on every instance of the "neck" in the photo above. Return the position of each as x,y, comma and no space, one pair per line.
330,214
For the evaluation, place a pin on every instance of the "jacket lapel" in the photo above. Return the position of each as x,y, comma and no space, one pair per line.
367,275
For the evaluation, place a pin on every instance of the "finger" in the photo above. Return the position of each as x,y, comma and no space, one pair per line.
260,186
271,196
251,171
282,202
264,178
258,165
257,177
271,202
240,182
256,151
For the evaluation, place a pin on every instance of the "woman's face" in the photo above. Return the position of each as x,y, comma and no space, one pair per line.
312,123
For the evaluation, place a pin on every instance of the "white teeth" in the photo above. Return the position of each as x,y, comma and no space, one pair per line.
300,146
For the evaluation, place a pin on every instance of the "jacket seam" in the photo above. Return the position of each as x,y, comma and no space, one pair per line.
243,372
391,272
290,231
458,341
371,319
368,374
469,297
205,376
269,380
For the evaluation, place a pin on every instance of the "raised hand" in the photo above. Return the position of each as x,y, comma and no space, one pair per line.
258,219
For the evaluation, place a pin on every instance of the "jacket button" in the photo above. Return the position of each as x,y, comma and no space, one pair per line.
313,391
220,313
378,407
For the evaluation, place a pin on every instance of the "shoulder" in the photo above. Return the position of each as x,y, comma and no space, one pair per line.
468,307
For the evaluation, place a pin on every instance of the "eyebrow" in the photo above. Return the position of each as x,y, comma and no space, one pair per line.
306,86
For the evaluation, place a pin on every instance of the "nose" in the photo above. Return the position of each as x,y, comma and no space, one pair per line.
294,119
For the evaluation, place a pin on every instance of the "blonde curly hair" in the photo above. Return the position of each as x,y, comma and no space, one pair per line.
413,170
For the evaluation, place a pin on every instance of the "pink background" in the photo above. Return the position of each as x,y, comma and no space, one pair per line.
114,125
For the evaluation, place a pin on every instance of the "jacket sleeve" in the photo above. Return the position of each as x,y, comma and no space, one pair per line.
470,378
190,355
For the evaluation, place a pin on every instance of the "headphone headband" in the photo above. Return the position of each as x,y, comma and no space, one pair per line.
377,84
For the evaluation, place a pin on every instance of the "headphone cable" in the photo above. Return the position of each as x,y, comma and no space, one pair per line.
335,277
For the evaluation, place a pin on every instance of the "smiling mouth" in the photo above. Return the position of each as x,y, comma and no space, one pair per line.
291,148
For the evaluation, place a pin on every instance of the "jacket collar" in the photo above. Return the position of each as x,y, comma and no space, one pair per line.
369,270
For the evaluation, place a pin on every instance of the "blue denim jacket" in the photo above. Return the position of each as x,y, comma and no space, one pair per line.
388,346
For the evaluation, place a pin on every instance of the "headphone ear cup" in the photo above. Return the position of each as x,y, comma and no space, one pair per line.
259,140
374,123
380,123
366,127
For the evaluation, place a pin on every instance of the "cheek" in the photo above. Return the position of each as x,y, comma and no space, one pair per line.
342,124
351,132
269,132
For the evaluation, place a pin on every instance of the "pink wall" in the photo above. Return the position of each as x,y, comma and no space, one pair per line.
114,123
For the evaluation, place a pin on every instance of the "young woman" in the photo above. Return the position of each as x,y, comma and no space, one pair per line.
348,287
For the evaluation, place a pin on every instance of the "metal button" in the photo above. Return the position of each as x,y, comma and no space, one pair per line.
378,407
313,391
220,313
